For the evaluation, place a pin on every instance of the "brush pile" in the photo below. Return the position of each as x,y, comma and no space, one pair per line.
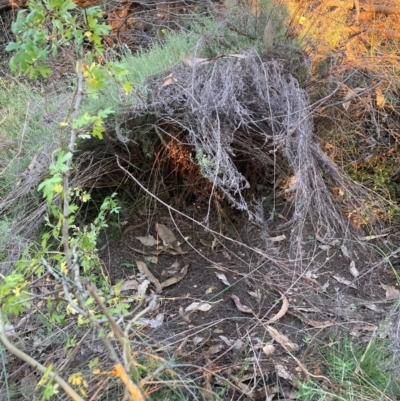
250,124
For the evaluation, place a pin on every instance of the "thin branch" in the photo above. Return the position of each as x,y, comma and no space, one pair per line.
34,363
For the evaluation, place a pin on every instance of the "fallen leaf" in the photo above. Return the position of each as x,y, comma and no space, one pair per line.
197,340
168,238
374,308
183,316
206,391
325,286
226,340
362,327
331,242
151,259
351,93
175,279
318,325
145,271
142,289
148,241
370,237
130,285
240,306
153,323
214,349
342,280
380,98
166,235
281,339
237,344
198,306
256,294
278,238
283,372
347,99
192,61
223,278
9,330
169,80
282,312
345,251
210,290
353,270
391,292
268,349
226,255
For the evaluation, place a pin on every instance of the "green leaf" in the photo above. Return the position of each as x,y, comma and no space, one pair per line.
105,112
127,87
94,362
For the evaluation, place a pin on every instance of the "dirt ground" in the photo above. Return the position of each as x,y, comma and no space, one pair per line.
334,289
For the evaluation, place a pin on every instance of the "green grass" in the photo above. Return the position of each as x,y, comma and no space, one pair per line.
357,372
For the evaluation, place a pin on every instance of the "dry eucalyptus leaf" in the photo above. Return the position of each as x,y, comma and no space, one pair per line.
192,61
391,292
374,308
9,330
145,271
130,285
210,290
353,269
206,392
148,241
151,259
169,239
380,98
240,306
238,344
223,278
331,242
226,340
197,340
169,80
281,339
325,286
256,294
175,279
173,269
347,99
268,349
166,235
143,288
226,255
342,280
283,372
198,306
214,349
345,251
370,237
282,312
183,316
278,238
153,323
